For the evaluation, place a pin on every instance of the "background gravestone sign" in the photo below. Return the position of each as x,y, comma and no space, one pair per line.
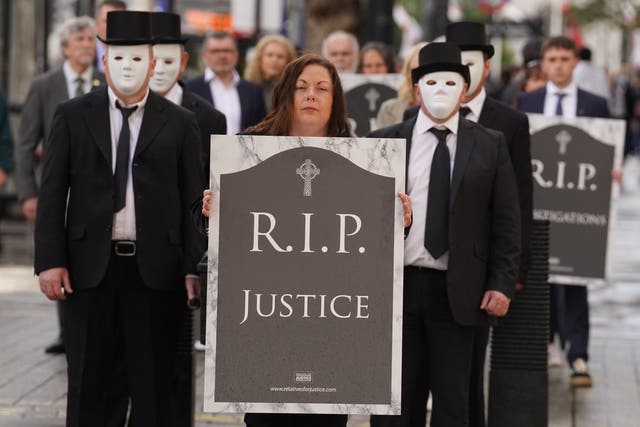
572,160
305,275
364,93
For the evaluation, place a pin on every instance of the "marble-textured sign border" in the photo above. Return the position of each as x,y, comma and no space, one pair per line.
610,132
230,154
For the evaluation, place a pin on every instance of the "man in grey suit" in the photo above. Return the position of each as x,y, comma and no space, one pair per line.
75,77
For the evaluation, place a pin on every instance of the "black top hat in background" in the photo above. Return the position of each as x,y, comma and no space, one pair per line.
469,36
127,28
165,28
439,57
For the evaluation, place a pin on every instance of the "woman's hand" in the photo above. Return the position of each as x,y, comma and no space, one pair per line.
206,202
406,207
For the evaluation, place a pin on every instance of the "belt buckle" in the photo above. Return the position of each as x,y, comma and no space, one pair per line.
125,248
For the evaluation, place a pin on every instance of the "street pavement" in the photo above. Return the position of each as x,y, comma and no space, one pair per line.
33,384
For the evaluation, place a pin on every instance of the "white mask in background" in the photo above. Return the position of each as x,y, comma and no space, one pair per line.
167,69
128,67
440,92
474,59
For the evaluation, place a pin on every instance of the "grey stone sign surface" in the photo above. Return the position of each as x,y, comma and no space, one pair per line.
572,161
364,94
304,309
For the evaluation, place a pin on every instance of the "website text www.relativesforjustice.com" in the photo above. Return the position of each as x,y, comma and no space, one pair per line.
305,389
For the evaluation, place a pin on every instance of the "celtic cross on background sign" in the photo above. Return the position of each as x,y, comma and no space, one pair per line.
307,171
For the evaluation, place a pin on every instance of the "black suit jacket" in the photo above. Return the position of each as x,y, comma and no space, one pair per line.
251,99
515,128
76,234
589,104
484,218
210,122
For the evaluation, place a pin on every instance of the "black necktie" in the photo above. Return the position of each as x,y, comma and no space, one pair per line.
122,159
464,111
79,86
560,96
436,233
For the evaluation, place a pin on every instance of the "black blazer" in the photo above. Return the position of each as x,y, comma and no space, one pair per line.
210,122
515,128
589,104
251,99
76,234
484,218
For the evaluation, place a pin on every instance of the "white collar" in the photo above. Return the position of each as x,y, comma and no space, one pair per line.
424,123
210,75
113,98
475,105
571,89
71,75
175,94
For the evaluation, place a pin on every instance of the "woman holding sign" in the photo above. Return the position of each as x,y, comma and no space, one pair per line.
308,101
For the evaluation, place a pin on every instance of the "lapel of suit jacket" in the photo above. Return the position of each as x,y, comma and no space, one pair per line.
243,95
59,86
153,120
488,113
581,105
204,90
405,130
464,146
97,117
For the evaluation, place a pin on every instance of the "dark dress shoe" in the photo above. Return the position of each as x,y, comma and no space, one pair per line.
57,347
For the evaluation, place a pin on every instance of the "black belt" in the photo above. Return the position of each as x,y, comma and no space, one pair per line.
124,247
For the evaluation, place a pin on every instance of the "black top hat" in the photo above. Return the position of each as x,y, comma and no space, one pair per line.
128,28
165,28
439,57
469,36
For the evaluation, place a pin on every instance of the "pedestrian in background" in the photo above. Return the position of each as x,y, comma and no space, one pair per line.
341,49
272,53
376,58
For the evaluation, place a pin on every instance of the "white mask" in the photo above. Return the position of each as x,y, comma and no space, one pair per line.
128,67
440,92
167,69
474,59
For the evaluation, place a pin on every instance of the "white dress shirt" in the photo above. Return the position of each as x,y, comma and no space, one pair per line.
70,76
175,94
423,145
124,221
569,102
226,99
475,105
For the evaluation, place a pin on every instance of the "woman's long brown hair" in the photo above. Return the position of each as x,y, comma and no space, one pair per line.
278,122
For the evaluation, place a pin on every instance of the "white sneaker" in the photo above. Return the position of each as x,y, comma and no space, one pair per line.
556,356
198,346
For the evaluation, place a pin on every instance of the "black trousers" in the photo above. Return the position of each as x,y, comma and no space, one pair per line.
476,389
570,308
436,355
295,420
121,328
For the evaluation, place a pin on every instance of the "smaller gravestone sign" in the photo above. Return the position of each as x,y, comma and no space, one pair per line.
304,301
572,161
364,93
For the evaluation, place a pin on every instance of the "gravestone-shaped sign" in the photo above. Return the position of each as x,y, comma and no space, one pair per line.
305,275
572,161
364,93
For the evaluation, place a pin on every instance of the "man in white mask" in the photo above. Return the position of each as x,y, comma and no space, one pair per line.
171,61
462,251
514,125
114,237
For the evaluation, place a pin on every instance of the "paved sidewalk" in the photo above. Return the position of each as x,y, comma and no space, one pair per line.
33,385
